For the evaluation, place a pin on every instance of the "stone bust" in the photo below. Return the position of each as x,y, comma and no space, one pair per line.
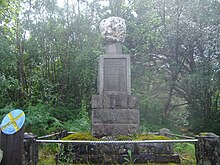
113,29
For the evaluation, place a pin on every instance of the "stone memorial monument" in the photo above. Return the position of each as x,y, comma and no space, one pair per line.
114,109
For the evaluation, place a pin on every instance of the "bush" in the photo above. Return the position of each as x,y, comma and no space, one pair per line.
4,111
40,121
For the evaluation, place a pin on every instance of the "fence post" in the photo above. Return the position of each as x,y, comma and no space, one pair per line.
1,152
30,149
208,149
12,147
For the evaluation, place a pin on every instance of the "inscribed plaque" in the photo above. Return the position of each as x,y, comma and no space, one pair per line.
115,74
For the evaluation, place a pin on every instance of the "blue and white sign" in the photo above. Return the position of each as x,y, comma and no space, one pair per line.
13,122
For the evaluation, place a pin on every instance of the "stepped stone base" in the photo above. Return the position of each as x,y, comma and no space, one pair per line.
114,115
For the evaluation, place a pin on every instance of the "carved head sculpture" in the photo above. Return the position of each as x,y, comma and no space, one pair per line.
113,29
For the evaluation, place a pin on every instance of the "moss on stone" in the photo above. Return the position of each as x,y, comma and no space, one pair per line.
88,136
80,136
151,137
207,134
142,137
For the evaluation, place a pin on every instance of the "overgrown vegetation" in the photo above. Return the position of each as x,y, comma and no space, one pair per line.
47,154
186,152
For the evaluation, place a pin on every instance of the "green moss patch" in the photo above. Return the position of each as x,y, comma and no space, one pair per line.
88,136
151,137
80,136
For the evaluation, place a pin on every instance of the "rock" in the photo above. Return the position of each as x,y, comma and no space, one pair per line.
167,158
208,134
117,153
29,135
113,29
208,149
164,132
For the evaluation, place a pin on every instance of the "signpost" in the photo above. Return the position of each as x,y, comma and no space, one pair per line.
12,133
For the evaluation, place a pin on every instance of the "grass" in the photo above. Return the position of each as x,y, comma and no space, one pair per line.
186,152
47,154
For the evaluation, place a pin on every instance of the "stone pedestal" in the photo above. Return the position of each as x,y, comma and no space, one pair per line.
114,110
208,149
114,115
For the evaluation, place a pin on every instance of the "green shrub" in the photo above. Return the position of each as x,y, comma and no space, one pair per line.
77,125
40,121
4,111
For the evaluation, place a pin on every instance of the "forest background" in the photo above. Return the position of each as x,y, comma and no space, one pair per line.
49,54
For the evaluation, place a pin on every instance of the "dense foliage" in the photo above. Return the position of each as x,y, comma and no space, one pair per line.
49,52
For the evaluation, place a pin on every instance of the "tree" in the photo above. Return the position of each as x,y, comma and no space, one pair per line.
49,58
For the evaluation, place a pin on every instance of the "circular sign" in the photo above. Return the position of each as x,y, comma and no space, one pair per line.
13,122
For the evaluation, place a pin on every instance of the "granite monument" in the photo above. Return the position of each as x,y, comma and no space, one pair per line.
114,109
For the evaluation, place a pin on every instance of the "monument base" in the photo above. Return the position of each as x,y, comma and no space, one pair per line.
114,115
114,129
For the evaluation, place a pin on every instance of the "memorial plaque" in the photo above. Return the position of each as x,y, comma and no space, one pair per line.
115,74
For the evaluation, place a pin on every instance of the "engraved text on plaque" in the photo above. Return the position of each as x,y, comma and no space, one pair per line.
115,74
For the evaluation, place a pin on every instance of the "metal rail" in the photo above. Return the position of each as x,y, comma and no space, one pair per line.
118,142
180,136
55,134
47,136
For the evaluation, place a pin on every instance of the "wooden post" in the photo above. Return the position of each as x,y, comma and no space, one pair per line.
12,147
1,152
30,149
